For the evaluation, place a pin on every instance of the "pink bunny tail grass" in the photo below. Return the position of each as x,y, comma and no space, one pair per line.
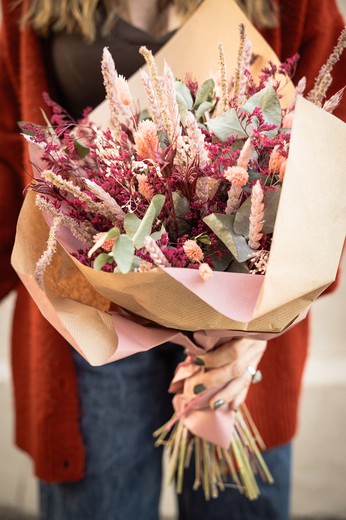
238,176
256,216
152,100
233,201
171,102
196,140
109,76
332,103
155,253
245,154
159,92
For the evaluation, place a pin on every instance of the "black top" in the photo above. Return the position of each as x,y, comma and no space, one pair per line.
76,64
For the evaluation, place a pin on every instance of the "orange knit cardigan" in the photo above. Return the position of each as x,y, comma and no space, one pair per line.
46,398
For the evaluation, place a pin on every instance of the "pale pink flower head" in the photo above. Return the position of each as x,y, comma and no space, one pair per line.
122,89
144,187
237,175
205,271
146,140
276,159
193,252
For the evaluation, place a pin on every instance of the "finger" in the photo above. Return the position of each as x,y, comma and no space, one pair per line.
240,398
230,393
217,377
229,352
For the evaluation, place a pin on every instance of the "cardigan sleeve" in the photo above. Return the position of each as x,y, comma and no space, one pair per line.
11,150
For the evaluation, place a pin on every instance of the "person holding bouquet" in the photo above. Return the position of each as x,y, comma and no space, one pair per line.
89,429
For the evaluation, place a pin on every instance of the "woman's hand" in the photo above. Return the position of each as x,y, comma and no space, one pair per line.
227,367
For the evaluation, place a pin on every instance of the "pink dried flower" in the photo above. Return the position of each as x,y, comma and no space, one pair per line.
245,155
144,187
123,91
146,140
205,271
332,103
256,216
237,175
276,159
193,252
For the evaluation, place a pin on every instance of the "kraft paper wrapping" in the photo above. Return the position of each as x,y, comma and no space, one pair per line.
307,243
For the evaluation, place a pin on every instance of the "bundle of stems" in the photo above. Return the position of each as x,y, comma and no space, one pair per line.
216,468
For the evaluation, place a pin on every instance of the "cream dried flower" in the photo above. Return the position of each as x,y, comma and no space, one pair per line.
205,271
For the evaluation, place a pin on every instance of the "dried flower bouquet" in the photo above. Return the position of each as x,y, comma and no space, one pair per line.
169,214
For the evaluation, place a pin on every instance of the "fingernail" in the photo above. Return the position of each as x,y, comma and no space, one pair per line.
198,389
199,361
218,403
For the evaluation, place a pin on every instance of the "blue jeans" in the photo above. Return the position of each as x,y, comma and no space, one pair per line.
122,404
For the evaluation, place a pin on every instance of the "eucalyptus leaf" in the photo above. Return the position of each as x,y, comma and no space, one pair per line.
30,132
131,224
144,229
226,125
181,204
222,226
81,149
182,107
269,103
112,233
158,234
143,115
184,92
123,253
101,260
203,107
271,204
204,92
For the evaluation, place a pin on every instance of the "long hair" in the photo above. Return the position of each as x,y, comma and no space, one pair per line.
80,16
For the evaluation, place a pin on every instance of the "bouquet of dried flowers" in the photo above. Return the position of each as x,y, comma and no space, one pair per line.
189,187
